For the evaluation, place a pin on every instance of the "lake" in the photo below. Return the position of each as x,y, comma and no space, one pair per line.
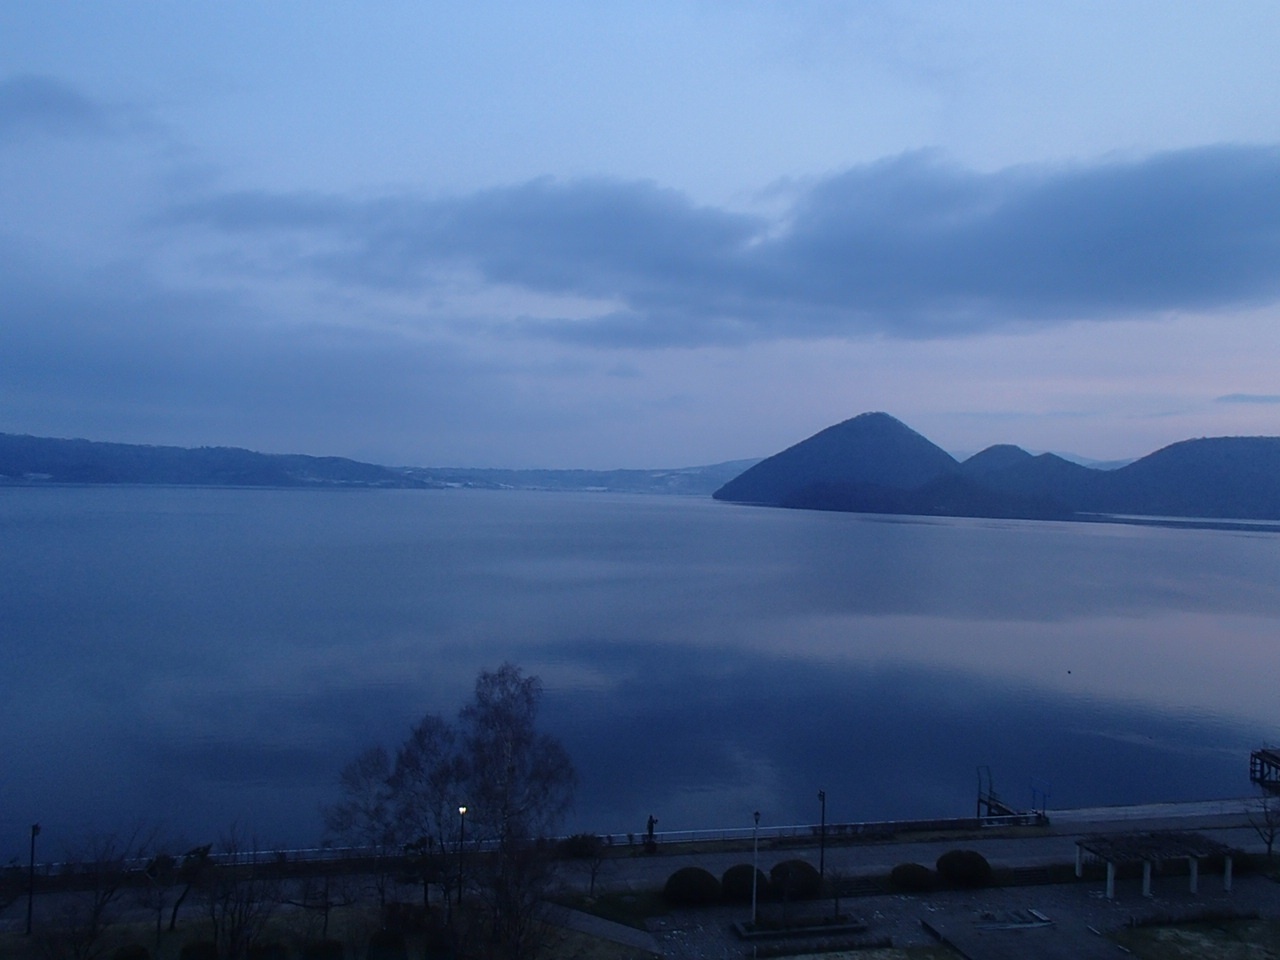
203,657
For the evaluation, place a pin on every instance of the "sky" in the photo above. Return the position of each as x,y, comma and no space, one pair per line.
650,234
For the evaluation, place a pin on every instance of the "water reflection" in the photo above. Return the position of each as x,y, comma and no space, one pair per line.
204,656
706,739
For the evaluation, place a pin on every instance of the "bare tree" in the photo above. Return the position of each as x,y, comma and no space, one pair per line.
241,894
521,784
161,873
427,779
319,896
1265,821
514,782
190,871
520,781
99,868
427,783
588,849
365,816
166,879
511,885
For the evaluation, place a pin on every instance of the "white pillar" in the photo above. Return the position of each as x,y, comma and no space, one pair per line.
1194,865
1079,861
1226,874
1146,878
1111,880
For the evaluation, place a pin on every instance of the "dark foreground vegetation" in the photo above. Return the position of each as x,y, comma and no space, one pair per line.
455,817
439,848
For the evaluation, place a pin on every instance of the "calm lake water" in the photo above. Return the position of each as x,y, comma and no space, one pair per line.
203,657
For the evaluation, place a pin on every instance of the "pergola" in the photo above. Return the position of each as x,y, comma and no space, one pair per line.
1149,848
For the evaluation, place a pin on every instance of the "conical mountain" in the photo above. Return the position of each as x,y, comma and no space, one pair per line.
1000,457
870,450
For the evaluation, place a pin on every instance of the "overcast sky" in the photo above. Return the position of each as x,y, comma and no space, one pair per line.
638,234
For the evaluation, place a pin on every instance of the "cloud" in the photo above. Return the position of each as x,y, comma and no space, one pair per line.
113,355
42,105
1254,398
907,247
936,248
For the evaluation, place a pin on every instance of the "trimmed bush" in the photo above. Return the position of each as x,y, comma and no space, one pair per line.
964,868
912,878
691,887
199,950
736,883
795,880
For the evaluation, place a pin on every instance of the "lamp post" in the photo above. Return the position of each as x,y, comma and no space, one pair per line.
462,838
822,837
31,874
755,870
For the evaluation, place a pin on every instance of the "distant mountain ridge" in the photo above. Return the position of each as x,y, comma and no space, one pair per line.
26,459
31,460
874,463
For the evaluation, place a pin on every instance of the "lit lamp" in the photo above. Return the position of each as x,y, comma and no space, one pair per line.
462,836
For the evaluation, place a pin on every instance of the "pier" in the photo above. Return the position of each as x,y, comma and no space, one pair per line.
1264,769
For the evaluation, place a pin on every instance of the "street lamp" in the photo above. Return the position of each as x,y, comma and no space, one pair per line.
822,837
31,874
462,837
755,870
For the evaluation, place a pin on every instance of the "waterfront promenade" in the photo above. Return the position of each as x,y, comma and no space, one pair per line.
1080,912
1226,821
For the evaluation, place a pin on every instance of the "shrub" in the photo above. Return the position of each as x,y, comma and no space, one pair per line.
387,945
795,880
581,846
964,868
134,951
691,887
404,918
323,950
268,951
736,883
912,878
199,950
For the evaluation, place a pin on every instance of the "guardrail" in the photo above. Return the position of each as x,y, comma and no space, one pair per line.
796,834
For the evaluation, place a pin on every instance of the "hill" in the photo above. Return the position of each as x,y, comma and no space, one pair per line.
870,453
25,459
875,464
43,460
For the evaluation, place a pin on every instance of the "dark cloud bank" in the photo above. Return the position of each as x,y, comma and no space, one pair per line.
908,247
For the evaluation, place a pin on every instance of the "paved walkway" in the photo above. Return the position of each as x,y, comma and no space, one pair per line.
1080,917
1080,912
1226,821
641,941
